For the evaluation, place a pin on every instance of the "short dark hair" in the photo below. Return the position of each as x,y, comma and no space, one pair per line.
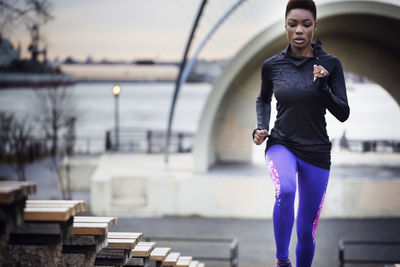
303,4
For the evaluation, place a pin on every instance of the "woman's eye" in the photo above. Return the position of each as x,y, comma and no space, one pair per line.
307,25
292,25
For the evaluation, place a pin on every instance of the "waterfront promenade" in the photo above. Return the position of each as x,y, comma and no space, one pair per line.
256,245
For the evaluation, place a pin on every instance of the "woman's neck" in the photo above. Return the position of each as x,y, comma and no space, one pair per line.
305,52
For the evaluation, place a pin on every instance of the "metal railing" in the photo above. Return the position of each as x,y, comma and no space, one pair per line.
147,141
373,145
233,246
382,244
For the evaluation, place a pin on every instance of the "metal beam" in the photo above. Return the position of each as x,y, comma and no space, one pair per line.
177,82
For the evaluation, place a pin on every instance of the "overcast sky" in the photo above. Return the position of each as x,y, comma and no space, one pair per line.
150,29
128,29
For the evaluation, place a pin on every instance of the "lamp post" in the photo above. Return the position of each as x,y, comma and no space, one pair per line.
116,91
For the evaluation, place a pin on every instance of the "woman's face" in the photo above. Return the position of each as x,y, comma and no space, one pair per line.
300,27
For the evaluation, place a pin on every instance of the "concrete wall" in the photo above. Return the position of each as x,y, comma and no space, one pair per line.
141,185
80,172
363,34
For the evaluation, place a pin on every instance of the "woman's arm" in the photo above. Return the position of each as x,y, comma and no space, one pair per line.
263,102
333,87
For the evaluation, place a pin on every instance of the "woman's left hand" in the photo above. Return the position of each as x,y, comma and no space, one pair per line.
319,72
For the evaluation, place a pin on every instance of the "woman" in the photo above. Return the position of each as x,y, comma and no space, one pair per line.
305,81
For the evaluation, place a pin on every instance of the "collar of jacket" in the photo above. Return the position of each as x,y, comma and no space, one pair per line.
299,60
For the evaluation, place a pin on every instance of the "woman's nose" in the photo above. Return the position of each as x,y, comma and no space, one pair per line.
299,30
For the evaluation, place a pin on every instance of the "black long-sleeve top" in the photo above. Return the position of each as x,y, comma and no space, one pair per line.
300,123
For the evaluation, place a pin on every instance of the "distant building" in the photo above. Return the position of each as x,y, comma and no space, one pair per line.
7,52
206,71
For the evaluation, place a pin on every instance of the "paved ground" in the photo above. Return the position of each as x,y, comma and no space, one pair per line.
256,243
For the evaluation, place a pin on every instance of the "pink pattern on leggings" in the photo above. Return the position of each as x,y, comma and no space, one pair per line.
275,178
315,224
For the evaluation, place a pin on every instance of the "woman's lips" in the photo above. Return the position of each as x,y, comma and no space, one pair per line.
298,40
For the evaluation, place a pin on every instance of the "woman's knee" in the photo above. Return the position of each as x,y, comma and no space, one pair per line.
288,192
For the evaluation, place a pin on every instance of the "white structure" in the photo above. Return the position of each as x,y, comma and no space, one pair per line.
363,34
141,185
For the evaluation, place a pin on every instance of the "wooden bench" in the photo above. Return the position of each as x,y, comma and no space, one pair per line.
171,259
51,214
119,249
57,212
28,188
111,221
89,238
159,254
38,240
194,264
184,261
12,200
11,208
76,206
141,254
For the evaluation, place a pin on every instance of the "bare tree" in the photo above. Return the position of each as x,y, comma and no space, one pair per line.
54,109
23,12
16,140
56,115
19,143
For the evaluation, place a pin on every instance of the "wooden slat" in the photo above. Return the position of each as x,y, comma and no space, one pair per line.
90,228
128,235
80,204
73,209
143,249
194,264
171,259
123,243
184,261
112,221
28,188
46,214
159,254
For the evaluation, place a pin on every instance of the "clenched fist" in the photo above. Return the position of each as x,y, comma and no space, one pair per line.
259,136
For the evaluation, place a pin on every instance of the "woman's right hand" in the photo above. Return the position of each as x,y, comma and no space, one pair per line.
259,136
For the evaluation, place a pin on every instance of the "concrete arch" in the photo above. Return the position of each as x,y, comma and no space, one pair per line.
363,34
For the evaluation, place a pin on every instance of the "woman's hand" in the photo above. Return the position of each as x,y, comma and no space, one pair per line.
259,136
319,72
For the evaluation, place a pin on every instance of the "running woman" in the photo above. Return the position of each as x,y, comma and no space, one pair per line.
306,81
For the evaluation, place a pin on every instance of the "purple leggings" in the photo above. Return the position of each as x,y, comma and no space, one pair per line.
312,181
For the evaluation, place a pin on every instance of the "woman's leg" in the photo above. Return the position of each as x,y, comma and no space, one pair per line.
312,186
283,167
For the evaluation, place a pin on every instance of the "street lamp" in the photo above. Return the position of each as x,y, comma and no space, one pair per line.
116,91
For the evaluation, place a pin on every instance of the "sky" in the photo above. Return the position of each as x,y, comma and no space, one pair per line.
149,29
131,29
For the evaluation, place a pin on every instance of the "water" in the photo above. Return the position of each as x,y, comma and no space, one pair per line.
141,105
374,113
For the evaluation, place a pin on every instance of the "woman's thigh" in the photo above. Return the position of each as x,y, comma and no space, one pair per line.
283,168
